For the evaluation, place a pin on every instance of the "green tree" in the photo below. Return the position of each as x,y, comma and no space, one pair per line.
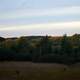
22,45
66,46
45,46
67,51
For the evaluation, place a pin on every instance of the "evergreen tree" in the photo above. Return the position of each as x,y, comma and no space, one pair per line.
45,45
66,46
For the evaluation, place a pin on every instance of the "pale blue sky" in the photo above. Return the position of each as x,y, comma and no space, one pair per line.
17,13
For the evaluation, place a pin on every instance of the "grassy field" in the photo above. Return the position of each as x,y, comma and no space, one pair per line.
38,71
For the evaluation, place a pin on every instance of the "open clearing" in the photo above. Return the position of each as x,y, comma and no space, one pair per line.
38,71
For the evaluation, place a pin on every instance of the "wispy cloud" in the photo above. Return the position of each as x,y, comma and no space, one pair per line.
74,10
52,25
43,29
35,17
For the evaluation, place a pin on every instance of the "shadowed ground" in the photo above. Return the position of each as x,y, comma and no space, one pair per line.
38,71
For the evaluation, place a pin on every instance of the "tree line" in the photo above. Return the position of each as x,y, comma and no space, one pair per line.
62,49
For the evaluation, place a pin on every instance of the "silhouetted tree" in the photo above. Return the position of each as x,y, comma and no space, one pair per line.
66,46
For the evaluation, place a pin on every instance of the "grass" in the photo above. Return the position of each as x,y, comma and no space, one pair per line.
36,71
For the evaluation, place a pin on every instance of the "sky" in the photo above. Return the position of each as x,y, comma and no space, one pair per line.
39,17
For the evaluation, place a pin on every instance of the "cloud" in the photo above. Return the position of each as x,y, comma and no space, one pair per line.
52,25
58,28
20,13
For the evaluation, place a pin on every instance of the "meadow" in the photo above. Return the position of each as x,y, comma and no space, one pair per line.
38,71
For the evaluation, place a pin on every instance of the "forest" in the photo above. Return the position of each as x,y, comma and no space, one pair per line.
41,49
